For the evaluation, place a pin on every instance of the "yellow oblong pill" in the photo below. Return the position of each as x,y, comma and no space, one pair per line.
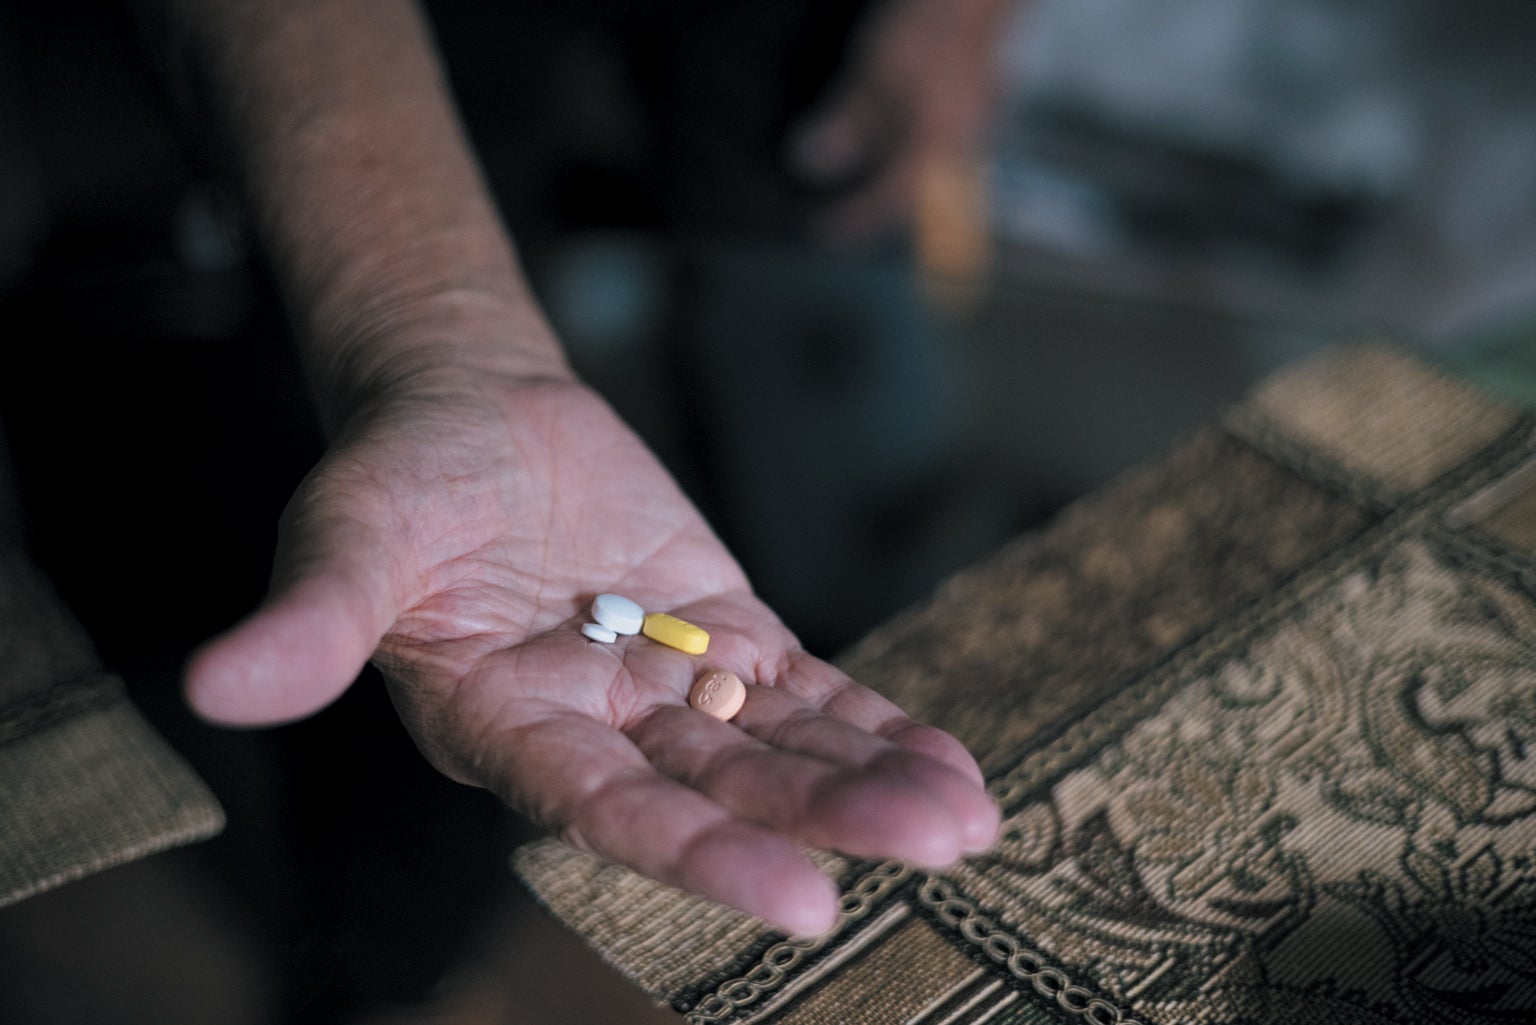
718,692
675,633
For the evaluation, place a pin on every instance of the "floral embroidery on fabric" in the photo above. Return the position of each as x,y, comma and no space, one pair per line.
1284,832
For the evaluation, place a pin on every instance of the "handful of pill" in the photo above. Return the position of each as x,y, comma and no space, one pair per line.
718,692
614,614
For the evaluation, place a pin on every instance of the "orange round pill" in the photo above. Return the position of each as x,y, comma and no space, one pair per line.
719,693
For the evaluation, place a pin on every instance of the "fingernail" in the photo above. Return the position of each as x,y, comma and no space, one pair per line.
980,833
813,914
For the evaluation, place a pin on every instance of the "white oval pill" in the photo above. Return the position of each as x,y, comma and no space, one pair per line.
598,632
618,614
719,693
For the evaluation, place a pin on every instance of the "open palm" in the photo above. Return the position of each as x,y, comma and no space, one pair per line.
457,535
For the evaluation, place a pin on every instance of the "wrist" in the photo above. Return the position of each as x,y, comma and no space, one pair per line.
451,343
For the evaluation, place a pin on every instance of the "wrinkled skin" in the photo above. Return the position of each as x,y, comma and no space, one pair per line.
456,533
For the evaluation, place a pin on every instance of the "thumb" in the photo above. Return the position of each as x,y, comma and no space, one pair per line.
300,650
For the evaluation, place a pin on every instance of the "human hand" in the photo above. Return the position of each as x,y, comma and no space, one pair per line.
456,533
912,106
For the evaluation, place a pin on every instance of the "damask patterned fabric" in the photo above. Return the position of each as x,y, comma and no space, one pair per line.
1262,720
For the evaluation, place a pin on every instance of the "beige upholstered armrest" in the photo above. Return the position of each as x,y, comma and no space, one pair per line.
85,782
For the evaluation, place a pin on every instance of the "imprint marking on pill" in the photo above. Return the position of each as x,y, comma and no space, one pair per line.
675,633
718,692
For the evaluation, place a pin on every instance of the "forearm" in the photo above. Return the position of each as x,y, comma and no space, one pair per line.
383,238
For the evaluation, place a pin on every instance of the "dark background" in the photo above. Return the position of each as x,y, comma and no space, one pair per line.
1303,171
